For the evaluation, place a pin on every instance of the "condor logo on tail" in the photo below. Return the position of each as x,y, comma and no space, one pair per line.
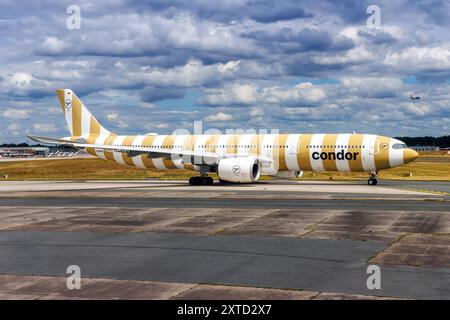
341,155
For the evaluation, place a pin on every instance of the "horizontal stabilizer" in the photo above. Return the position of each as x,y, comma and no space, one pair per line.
47,140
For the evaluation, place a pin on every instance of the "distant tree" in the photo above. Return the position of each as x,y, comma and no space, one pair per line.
23,145
442,142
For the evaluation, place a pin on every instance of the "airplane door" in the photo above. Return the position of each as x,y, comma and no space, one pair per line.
375,148
293,148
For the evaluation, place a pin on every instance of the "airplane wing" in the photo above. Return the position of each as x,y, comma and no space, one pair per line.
152,152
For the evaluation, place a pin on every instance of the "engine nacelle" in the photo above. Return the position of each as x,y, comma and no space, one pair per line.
246,169
289,174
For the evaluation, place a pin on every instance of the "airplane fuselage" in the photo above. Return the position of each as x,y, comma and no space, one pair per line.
237,158
289,152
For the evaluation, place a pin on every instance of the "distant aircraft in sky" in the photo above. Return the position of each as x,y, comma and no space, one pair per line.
414,98
237,158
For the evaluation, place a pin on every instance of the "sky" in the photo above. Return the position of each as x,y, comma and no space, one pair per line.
145,66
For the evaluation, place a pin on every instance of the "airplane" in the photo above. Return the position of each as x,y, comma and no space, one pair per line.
414,98
235,158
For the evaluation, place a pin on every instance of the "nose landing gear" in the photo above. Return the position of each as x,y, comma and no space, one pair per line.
372,180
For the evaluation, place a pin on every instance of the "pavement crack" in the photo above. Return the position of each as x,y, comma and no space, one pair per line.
263,254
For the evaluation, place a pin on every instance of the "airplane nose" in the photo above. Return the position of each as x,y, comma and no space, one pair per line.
409,155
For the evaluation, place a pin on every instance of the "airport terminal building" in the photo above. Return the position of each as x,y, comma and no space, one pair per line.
425,148
37,151
23,152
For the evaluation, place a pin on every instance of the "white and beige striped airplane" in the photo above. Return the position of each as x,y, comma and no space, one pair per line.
235,158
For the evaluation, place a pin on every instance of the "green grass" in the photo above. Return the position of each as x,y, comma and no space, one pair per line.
420,171
81,169
98,169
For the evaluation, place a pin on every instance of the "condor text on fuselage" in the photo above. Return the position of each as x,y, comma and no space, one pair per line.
331,155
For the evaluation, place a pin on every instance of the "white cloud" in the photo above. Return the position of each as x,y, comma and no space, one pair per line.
162,126
355,55
45,127
221,116
16,113
302,92
116,120
323,112
14,126
15,129
193,73
419,109
20,79
381,87
112,116
257,112
53,45
437,58
248,94
147,105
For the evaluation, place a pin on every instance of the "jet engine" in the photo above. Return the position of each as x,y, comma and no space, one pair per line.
246,169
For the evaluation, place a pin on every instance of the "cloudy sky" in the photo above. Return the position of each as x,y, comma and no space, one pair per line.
159,65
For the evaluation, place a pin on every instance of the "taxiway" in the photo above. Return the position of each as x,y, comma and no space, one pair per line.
316,237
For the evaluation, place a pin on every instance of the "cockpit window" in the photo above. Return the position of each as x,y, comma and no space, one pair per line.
398,146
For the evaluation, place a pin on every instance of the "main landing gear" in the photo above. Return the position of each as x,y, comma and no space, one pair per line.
201,181
372,180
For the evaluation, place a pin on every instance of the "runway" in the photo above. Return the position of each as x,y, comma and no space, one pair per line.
164,239
273,194
132,202
385,187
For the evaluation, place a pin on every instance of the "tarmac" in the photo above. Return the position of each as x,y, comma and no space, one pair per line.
271,240
386,187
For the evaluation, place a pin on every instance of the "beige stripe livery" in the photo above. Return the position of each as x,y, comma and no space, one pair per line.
288,151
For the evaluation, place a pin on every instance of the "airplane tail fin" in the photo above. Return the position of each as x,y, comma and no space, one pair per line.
79,120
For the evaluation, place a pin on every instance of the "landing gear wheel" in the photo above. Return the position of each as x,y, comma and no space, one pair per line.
195,181
198,181
207,181
373,178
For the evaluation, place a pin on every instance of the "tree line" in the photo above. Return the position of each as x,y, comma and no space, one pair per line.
442,142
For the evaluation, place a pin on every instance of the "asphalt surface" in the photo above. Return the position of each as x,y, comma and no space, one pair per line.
308,264
325,204
304,190
439,186
177,250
